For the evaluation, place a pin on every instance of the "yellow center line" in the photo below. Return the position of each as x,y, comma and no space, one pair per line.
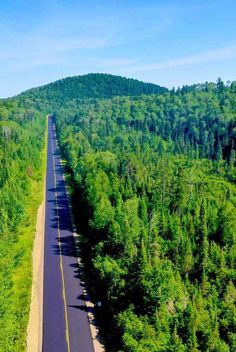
61,262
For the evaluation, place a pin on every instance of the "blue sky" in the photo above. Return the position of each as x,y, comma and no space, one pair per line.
170,43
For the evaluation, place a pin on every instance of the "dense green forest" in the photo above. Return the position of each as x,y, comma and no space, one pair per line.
88,86
153,174
155,187
22,132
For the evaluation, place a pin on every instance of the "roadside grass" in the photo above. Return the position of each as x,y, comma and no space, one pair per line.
16,271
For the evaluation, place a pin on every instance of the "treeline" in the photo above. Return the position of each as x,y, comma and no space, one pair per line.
197,124
89,86
22,133
155,179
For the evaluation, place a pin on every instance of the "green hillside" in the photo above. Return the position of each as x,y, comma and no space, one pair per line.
93,85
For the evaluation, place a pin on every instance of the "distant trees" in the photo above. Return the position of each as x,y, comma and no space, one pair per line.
90,86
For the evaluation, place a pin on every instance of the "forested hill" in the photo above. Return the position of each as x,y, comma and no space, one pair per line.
94,85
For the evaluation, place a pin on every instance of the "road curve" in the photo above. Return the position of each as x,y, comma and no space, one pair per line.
65,320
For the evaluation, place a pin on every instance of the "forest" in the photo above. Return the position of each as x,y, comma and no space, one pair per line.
153,179
155,185
93,85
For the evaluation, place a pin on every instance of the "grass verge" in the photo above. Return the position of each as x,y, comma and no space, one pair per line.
16,271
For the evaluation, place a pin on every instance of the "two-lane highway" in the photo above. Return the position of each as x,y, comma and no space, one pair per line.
65,320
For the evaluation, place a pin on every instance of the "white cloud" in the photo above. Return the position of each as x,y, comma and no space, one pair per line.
31,52
205,57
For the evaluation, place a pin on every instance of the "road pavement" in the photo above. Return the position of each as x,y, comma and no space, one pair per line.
65,320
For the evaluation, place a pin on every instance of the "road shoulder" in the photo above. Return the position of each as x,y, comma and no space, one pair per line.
34,337
34,330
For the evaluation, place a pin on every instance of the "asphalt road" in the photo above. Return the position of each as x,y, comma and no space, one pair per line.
65,321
